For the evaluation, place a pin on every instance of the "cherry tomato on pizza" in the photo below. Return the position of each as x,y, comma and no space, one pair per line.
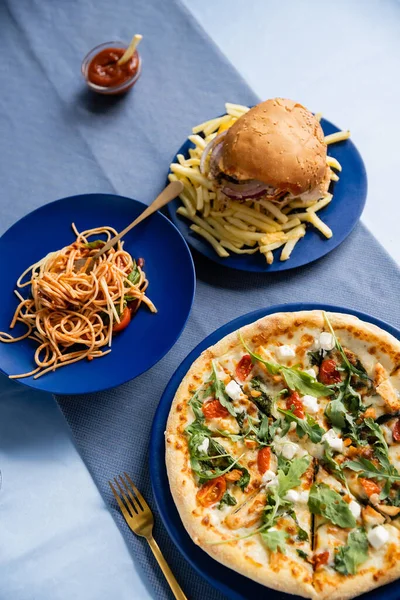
212,491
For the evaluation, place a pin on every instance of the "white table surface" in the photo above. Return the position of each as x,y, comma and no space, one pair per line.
57,539
348,68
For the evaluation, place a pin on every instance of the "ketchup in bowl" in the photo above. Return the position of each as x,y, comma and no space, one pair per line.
102,72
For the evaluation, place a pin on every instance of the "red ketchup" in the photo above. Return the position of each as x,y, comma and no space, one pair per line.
105,71
103,74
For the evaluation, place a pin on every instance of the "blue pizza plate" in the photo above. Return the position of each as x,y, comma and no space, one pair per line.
341,215
168,266
230,583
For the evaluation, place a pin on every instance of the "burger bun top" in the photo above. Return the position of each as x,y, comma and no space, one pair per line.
278,142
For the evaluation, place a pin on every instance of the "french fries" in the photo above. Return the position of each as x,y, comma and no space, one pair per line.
247,227
333,176
333,163
339,136
291,223
287,249
211,239
233,248
246,236
200,198
274,210
320,204
323,228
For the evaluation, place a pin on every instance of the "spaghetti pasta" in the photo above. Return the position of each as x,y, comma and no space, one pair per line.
73,315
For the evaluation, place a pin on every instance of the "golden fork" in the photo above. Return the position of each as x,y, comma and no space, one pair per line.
172,190
140,520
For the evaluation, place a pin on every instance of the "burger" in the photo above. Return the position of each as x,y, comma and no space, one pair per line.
276,151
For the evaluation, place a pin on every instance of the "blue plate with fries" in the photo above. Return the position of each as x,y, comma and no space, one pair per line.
340,215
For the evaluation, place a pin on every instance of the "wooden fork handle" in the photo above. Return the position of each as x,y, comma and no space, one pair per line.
169,193
173,584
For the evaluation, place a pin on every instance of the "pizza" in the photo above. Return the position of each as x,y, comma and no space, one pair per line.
283,453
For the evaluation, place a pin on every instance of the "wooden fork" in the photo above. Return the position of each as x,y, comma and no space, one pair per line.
140,520
172,190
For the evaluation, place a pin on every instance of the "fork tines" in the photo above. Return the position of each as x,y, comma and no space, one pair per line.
132,502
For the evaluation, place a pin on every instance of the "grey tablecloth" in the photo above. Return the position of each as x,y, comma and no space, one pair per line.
57,140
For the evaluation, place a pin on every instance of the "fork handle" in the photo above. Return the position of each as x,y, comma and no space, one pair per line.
173,584
172,190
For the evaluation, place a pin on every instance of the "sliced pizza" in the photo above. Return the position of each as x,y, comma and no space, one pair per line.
283,449
355,547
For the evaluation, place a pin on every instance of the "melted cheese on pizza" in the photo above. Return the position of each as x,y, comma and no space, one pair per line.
293,454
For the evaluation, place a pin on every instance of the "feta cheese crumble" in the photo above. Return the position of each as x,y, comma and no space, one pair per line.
285,351
273,483
355,509
292,496
310,403
310,372
289,450
333,440
303,496
285,447
326,341
378,536
268,476
233,390
203,447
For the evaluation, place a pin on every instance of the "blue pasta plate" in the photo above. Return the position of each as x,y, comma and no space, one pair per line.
169,270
